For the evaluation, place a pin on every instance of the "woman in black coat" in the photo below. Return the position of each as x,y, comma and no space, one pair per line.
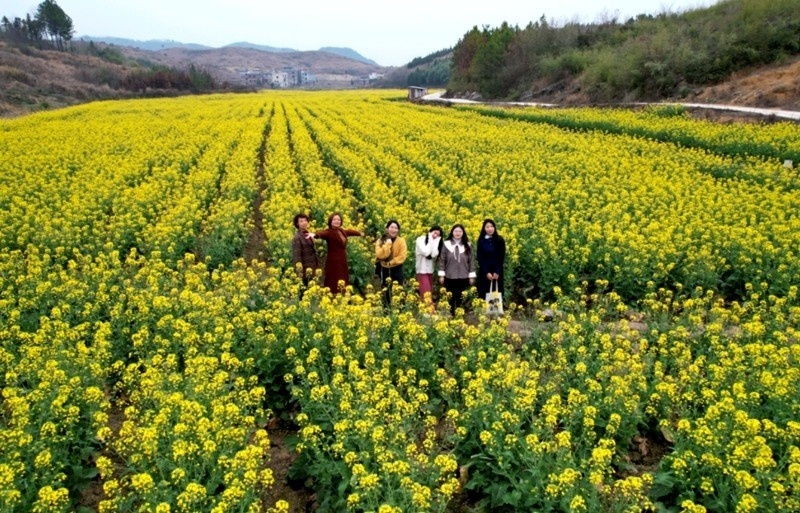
491,257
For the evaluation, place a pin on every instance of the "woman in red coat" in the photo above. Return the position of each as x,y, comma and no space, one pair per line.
336,268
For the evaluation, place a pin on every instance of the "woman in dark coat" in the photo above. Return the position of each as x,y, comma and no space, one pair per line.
304,254
336,268
491,257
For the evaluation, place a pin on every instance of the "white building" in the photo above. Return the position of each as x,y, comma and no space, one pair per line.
279,79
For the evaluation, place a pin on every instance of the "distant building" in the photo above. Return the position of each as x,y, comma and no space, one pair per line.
278,79
299,77
252,77
415,92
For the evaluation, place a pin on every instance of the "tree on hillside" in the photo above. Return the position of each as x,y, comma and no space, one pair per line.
490,59
647,57
479,59
13,31
437,74
419,61
463,54
49,21
57,24
35,28
21,30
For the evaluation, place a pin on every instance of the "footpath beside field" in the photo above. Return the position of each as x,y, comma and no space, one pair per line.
778,113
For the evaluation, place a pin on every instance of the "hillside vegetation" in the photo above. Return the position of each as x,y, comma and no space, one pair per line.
744,52
670,55
43,67
34,78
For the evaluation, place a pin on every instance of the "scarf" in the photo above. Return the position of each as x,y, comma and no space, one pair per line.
458,249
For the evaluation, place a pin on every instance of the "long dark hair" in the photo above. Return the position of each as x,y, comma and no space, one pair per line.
464,238
483,229
434,228
441,236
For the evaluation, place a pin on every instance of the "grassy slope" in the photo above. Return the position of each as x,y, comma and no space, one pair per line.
32,79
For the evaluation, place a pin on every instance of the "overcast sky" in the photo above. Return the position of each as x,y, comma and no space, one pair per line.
391,34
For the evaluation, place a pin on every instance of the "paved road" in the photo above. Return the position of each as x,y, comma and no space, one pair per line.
778,113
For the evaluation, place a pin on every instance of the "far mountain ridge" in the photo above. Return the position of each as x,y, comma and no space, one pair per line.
347,52
152,45
263,48
155,45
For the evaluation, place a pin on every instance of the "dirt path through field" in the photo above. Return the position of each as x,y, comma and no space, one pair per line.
255,248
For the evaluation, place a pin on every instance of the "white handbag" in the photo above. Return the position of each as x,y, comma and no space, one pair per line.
494,299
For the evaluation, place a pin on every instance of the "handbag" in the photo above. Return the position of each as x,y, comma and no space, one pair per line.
494,299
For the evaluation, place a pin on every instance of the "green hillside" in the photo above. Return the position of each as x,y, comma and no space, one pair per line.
644,58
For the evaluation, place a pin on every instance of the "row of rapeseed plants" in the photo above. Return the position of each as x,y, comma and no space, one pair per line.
143,358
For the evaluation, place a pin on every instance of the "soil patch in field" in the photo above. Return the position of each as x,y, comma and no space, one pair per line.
255,247
91,496
93,493
281,459
645,454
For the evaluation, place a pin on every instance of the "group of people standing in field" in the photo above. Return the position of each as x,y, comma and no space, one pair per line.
451,260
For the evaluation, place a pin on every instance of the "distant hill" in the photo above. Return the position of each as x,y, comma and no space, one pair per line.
433,70
349,53
330,70
33,79
152,44
263,48
672,55
584,64
155,45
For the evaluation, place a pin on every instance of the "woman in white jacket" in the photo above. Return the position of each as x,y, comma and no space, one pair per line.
426,251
